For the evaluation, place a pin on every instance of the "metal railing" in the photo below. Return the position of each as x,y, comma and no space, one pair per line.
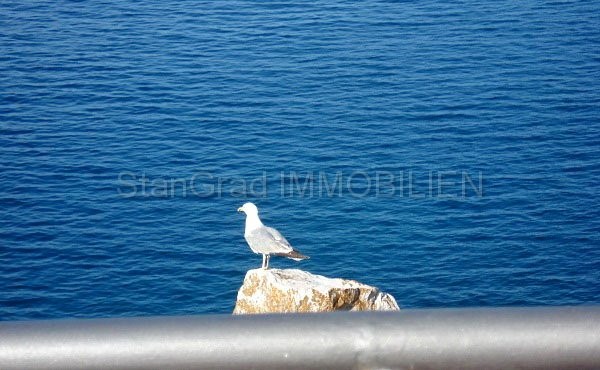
500,338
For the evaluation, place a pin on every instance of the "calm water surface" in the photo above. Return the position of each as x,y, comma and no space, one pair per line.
108,108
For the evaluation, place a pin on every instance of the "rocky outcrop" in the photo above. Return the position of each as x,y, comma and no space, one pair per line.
269,291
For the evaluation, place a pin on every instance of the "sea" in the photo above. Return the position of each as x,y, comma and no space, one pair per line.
446,152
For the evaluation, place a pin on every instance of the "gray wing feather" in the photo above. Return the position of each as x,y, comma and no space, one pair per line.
268,240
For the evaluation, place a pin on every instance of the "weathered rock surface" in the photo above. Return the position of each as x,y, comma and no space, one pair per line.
290,290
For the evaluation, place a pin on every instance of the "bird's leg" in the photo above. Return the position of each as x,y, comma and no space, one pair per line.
263,262
268,258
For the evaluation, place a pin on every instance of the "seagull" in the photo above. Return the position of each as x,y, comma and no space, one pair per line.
266,240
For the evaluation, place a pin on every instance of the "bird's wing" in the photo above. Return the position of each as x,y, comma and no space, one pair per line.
268,240
276,235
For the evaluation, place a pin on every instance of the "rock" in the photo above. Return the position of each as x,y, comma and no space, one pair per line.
291,290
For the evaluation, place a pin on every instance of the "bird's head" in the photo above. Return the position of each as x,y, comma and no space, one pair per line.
248,209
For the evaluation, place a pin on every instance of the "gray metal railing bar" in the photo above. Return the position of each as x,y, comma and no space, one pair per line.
499,338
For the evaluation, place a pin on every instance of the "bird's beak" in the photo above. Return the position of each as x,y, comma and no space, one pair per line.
240,209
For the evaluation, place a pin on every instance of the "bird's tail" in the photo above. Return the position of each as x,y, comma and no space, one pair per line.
295,255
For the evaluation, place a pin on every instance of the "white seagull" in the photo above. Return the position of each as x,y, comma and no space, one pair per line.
266,240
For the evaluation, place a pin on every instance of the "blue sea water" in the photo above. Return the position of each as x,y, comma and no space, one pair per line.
466,136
